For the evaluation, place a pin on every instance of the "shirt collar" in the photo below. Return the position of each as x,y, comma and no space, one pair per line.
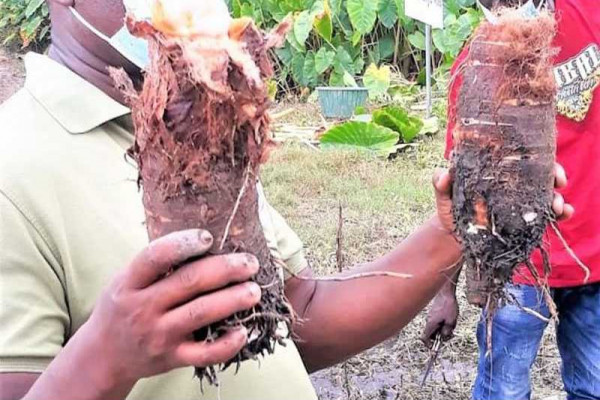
77,105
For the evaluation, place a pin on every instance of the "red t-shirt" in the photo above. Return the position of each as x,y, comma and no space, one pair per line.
577,73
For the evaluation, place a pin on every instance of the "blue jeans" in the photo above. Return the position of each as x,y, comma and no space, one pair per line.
504,374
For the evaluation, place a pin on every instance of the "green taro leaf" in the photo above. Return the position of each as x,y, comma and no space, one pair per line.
363,14
298,68
417,39
356,37
349,80
324,59
360,110
374,55
32,7
403,94
400,9
343,22
323,23
284,54
358,65
377,80
336,6
386,47
388,13
235,7
342,61
439,41
291,38
309,74
361,135
336,79
247,10
303,25
398,120
317,7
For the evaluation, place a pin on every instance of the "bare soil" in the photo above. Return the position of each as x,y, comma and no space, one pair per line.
12,74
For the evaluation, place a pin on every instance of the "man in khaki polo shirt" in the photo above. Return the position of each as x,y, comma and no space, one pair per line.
84,313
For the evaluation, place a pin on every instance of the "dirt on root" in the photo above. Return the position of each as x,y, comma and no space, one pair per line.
504,151
12,73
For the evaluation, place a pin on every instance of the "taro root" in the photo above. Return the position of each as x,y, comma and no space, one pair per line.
201,135
504,152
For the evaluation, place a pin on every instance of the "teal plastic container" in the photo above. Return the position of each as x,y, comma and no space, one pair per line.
340,102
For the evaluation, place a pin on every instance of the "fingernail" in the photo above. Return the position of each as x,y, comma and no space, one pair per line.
254,289
206,237
242,331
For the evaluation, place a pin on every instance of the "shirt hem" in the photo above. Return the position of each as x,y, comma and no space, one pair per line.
24,366
559,284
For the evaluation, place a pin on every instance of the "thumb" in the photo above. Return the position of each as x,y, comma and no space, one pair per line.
442,182
447,332
429,332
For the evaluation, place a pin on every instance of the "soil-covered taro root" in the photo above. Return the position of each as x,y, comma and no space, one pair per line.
504,150
201,134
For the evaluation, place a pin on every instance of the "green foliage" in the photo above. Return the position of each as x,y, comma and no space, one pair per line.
388,13
390,128
329,41
332,41
23,21
362,135
457,29
377,80
363,15
398,120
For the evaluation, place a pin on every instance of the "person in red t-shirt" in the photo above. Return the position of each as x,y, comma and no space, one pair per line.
505,373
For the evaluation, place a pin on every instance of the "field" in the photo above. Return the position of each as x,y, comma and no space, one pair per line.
383,202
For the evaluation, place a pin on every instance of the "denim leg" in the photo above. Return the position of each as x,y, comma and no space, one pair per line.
505,373
578,335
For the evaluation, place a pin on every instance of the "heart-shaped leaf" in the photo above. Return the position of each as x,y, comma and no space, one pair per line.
303,25
388,14
323,59
361,135
363,14
417,39
377,80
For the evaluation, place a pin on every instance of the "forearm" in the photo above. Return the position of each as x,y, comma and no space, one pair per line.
80,372
344,318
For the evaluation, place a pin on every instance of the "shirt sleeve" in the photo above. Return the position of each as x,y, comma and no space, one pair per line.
281,239
33,309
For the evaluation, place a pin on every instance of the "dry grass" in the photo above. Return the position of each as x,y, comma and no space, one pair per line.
383,202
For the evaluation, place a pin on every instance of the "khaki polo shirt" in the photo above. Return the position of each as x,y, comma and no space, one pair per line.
71,216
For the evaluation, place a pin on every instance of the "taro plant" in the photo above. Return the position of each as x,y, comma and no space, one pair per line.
340,42
391,128
24,22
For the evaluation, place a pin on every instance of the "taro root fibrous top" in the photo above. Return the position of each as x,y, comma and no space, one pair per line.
201,134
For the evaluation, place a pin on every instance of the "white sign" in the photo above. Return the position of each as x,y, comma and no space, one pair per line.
430,12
